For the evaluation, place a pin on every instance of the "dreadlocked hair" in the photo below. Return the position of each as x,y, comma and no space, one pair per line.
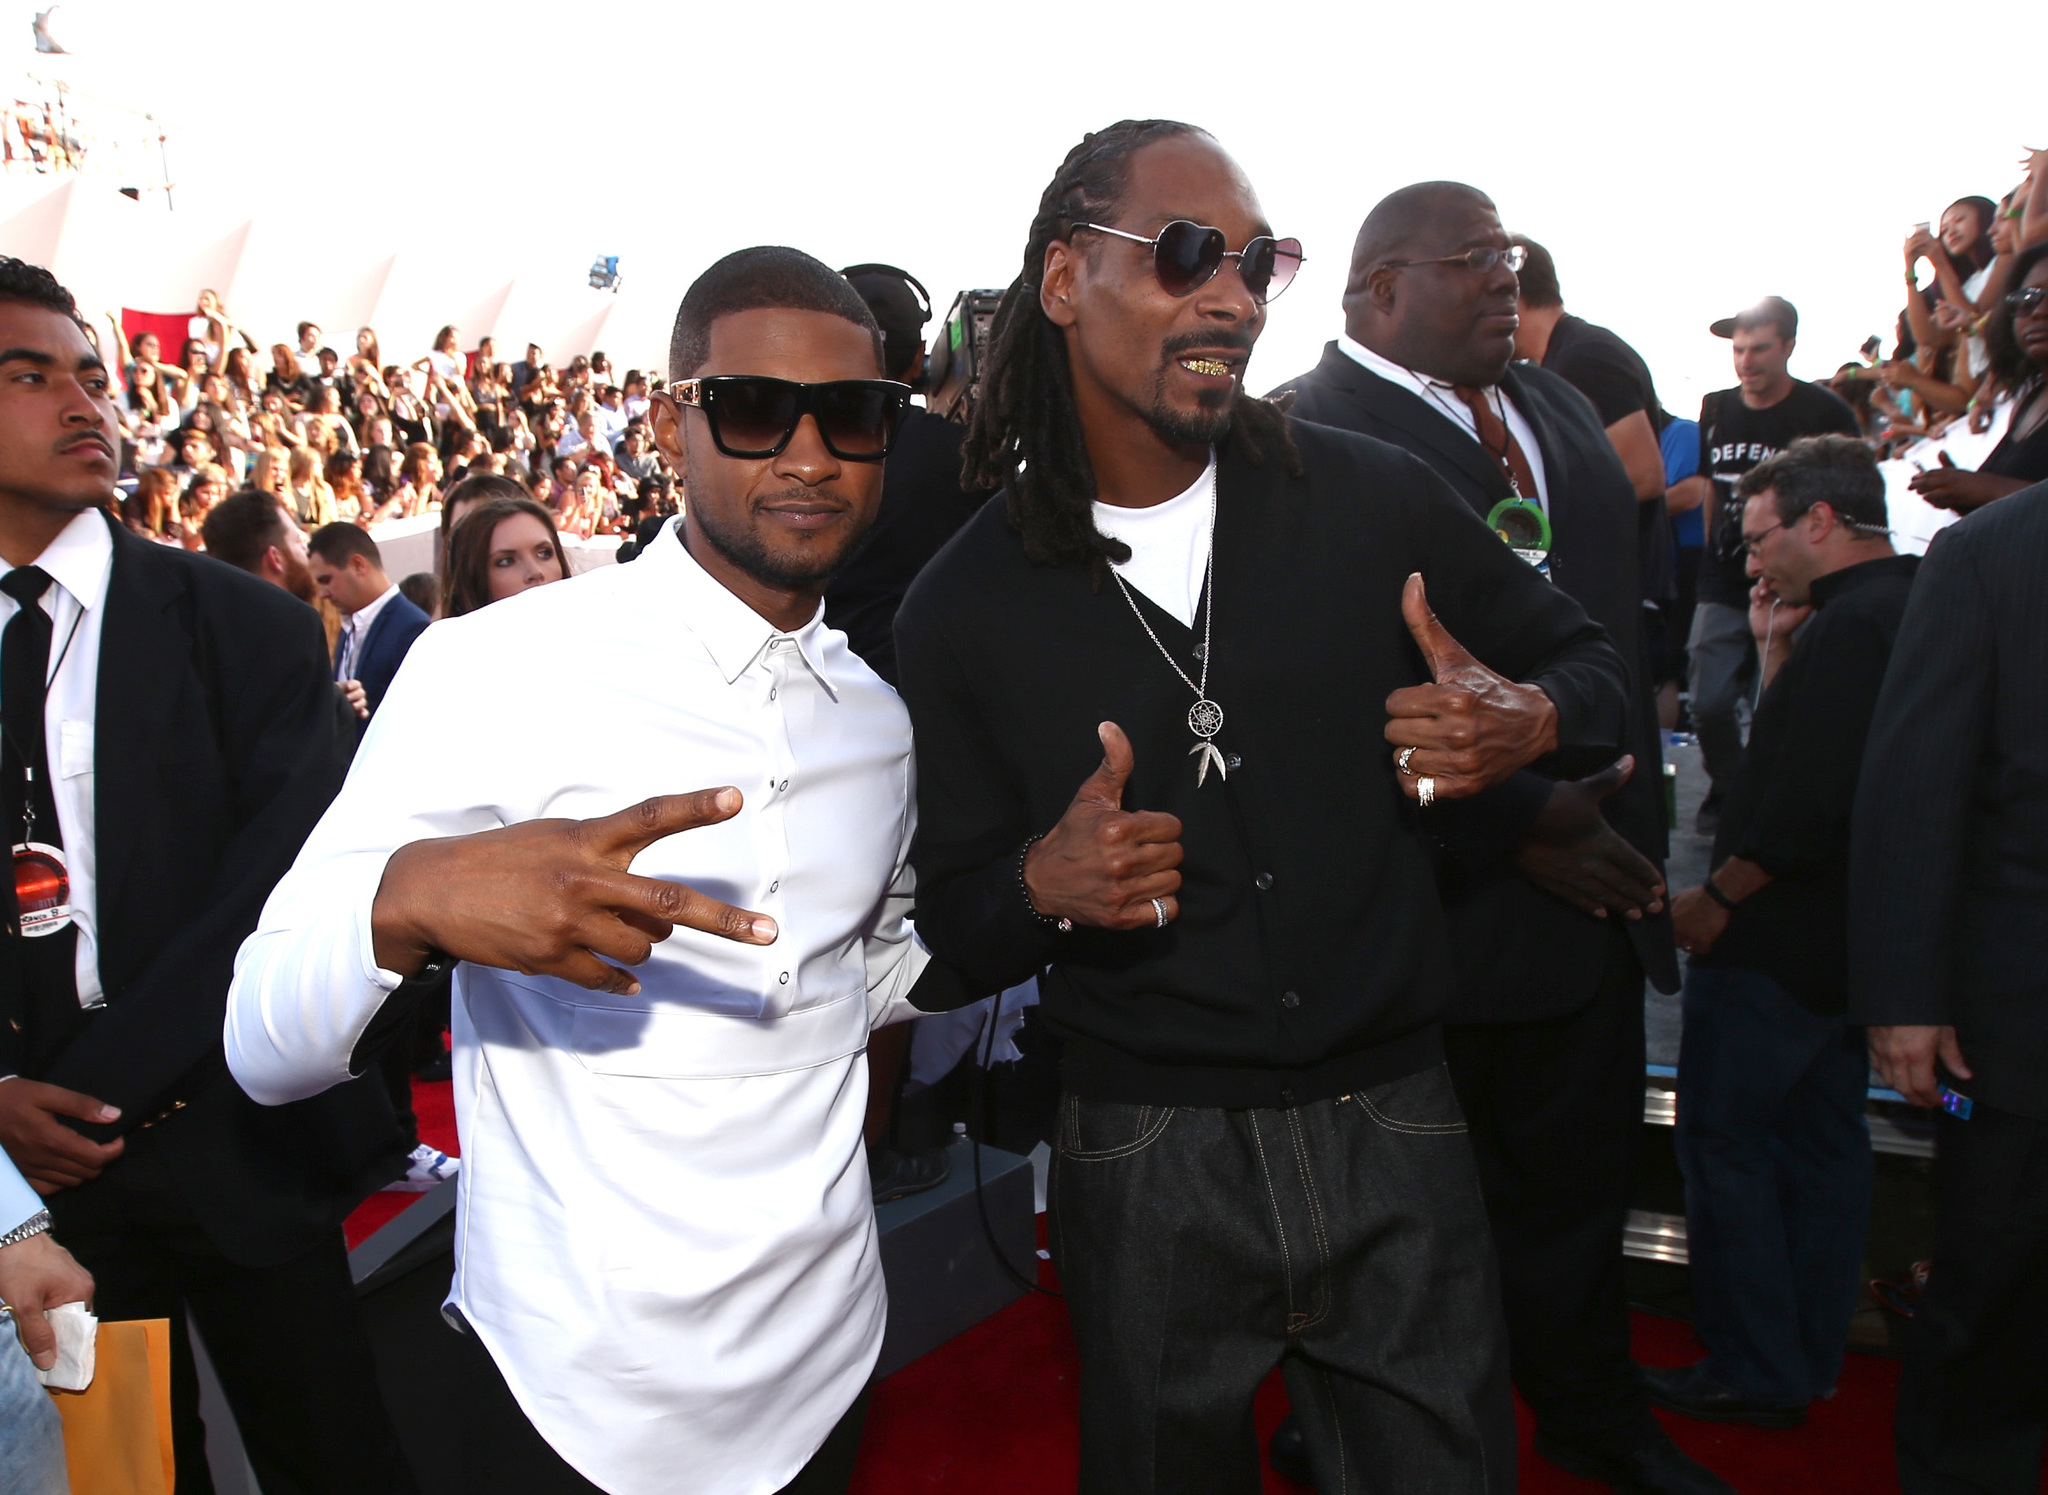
1025,435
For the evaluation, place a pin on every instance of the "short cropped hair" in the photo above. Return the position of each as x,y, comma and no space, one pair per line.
1538,275
242,526
1839,471
750,279
335,543
31,285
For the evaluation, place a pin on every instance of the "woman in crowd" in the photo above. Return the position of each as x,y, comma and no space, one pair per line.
267,474
344,474
2017,337
147,415
419,483
151,511
499,550
208,487
286,378
306,492
445,357
240,372
410,417
368,355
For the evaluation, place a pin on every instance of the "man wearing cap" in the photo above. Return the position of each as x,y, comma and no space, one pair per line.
1765,413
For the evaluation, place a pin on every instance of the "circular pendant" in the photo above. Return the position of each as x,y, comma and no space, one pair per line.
1205,719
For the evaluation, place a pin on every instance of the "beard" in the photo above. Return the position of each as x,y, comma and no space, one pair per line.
298,580
1209,421
799,570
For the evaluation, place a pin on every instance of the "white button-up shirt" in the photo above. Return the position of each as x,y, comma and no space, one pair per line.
356,629
1439,397
664,1234
80,561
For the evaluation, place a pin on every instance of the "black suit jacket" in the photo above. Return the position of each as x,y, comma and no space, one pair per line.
399,622
1522,953
1948,868
215,751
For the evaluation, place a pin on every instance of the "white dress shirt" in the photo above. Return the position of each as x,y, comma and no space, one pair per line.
1436,394
80,561
1169,544
356,629
664,1234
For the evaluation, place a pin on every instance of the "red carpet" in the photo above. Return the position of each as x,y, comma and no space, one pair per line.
994,1413
434,1103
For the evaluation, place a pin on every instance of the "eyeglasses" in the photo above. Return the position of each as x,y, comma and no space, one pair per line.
752,416
1478,261
1751,544
2026,301
1186,257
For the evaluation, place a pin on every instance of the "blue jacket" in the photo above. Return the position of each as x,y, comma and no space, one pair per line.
398,623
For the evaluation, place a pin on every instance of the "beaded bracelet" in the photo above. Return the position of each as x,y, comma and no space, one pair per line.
1064,926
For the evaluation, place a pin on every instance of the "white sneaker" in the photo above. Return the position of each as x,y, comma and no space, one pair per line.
425,1169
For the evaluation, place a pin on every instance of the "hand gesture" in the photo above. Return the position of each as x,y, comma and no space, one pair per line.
1904,1058
1778,626
51,1155
554,897
37,1275
1103,865
1697,921
1573,852
1472,728
1951,487
1920,242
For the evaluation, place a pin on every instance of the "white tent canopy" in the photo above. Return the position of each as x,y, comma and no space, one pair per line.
114,252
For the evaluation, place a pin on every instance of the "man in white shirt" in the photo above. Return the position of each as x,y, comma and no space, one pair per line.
666,1257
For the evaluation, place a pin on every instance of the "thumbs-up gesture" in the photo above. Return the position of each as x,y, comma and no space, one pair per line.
554,897
1472,728
1103,865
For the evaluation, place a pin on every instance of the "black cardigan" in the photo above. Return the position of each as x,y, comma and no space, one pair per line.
1309,957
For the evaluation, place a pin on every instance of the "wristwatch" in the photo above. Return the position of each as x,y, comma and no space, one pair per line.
1714,892
35,1224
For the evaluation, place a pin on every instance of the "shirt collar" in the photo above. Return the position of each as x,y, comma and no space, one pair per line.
1825,589
360,620
1386,368
733,634
80,558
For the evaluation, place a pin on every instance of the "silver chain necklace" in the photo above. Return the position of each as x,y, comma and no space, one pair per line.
1205,717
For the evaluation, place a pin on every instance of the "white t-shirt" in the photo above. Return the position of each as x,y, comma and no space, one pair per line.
1169,544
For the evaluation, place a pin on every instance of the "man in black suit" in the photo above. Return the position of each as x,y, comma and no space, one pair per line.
380,621
1948,963
1554,887
170,740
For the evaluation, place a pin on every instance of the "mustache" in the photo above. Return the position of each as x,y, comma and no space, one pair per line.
828,493
1189,342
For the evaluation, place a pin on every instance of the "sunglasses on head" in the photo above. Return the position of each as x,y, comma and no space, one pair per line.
752,416
1186,257
2027,301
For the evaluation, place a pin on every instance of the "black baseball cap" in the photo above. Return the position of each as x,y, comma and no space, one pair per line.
1773,311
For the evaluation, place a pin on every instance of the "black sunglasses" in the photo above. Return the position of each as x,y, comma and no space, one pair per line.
2027,301
1186,257
752,416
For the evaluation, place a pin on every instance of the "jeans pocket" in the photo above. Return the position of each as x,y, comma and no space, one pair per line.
1098,1131
1417,1105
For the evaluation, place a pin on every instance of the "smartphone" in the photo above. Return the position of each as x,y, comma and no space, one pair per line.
1957,1105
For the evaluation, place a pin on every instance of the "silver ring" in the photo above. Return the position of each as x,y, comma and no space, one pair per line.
1425,791
1159,908
1401,762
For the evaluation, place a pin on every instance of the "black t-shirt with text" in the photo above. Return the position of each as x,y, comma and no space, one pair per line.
1733,439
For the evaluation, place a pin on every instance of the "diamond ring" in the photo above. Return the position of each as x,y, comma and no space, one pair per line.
1425,791
1402,761
1159,908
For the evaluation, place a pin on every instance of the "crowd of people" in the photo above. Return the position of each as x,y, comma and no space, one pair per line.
360,440
1328,831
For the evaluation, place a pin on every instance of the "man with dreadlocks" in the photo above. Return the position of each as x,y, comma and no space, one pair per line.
1260,1156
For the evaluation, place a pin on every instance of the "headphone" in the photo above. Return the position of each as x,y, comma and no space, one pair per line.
924,297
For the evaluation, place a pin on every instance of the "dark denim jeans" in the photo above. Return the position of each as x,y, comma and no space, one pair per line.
1346,1237
1776,1157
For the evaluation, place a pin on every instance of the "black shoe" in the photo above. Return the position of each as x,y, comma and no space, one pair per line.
1708,820
897,1175
1689,1391
1288,1452
1639,1465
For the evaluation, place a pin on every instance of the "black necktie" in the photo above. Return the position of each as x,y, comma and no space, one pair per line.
24,672
39,1009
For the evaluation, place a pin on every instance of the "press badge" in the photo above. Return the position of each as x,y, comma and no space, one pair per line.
1525,529
42,889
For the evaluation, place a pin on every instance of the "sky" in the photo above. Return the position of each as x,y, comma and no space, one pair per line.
1679,162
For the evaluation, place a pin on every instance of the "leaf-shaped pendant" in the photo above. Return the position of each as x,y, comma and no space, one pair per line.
1207,755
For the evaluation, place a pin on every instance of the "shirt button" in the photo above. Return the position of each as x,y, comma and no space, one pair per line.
1201,651
771,692
775,884
1290,999
782,786
783,978
1262,882
1233,762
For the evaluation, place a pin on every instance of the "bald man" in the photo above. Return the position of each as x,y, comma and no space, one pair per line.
1554,887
